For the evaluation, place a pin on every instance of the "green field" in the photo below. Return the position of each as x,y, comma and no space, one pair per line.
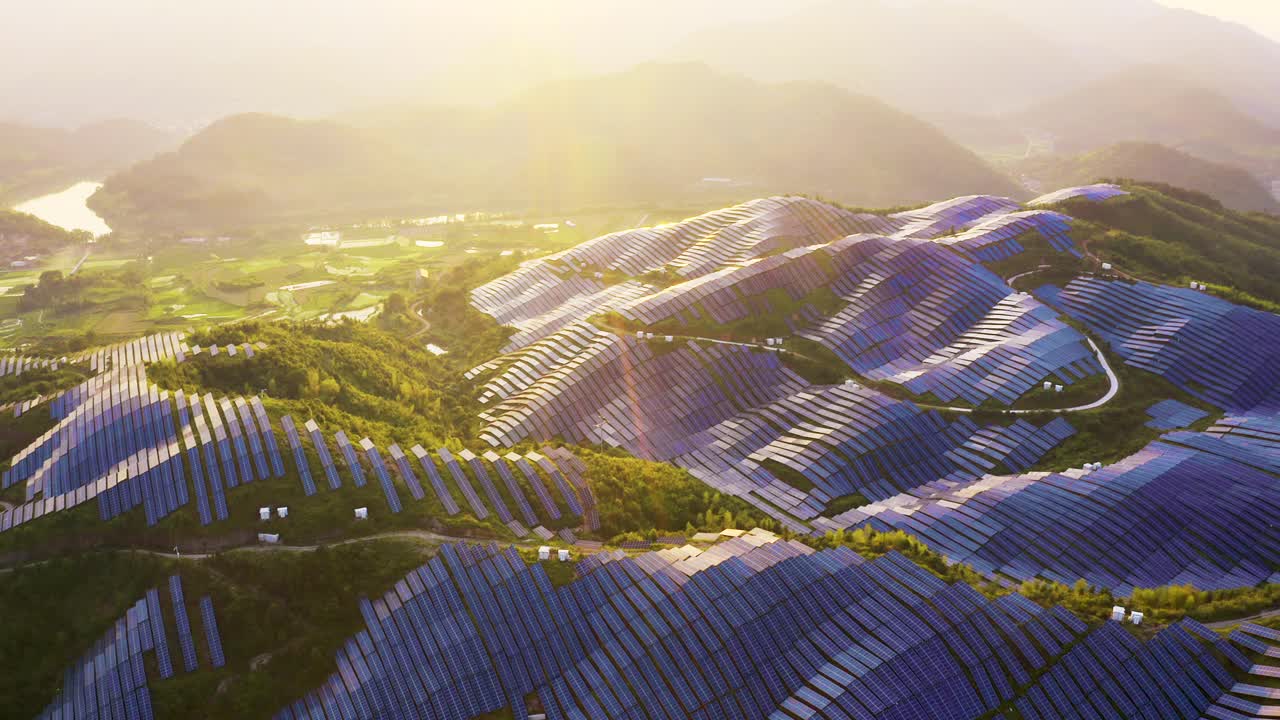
182,285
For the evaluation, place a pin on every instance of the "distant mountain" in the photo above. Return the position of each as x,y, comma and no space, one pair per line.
1156,104
992,56
37,160
1234,187
925,56
955,60
655,133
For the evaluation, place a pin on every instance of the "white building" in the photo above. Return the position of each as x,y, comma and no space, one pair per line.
326,238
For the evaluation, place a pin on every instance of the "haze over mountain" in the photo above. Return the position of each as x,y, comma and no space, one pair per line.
190,63
1155,104
187,64
36,160
1234,187
655,133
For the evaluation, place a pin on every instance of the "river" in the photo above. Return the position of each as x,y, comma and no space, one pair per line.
68,209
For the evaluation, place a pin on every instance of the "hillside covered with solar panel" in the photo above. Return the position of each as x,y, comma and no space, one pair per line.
980,458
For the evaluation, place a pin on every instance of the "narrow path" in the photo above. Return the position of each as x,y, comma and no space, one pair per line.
416,311
1112,378
1112,391
1010,280
84,257
414,534
1223,624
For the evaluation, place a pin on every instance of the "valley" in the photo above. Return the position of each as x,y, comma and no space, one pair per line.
845,359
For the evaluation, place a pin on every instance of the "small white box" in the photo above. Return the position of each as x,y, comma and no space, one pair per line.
264,513
362,513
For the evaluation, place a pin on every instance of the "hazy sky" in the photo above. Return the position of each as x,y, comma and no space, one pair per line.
1261,15
186,63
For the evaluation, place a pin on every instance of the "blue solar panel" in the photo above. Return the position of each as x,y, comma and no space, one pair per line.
437,482
158,635
1171,415
182,624
349,454
380,471
299,455
216,658
322,450
464,484
761,630
406,472
268,437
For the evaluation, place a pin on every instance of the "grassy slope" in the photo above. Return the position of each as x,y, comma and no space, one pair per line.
1164,234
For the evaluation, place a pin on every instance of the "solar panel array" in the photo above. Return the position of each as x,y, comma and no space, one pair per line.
519,475
938,323
951,216
998,237
753,628
547,294
616,390
722,411
1190,508
122,441
1092,193
1187,337
14,365
110,680
1171,415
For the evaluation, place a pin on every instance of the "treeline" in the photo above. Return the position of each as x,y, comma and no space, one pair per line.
1166,234
57,293
650,498
350,375
1159,605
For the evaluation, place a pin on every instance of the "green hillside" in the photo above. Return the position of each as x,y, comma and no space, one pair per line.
1236,188
651,134
1165,234
22,234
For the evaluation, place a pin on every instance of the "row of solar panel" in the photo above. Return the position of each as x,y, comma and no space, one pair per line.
722,411
775,630
1187,337
543,296
121,446
1191,508
1171,415
18,364
110,680
516,473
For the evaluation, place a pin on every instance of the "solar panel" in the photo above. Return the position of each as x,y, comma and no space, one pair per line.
349,454
216,658
437,482
762,629
380,472
322,450
406,472
182,624
299,456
